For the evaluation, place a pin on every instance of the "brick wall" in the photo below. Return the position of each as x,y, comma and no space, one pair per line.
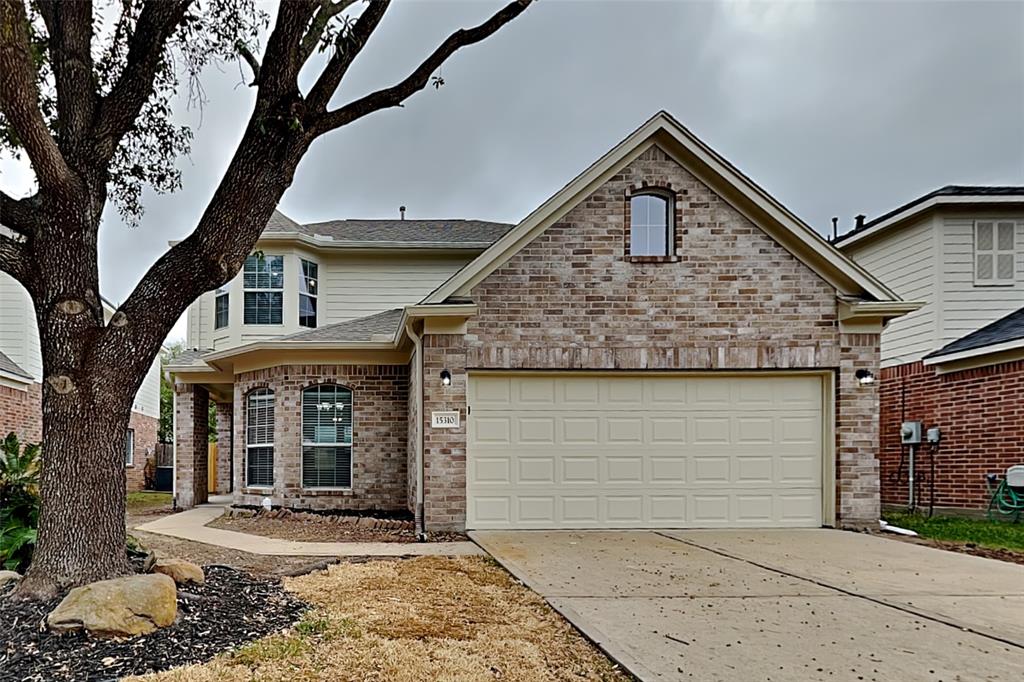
145,449
380,418
981,414
191,444
413,436
225,438
21,412
572,299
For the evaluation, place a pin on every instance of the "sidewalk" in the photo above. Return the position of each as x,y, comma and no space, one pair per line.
191,525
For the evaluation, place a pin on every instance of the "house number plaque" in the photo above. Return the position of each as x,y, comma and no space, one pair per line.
444,420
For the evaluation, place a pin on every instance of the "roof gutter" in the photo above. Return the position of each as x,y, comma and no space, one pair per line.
947,358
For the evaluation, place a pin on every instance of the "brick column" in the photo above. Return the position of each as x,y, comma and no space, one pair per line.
444,450
191,444
857,472
225,442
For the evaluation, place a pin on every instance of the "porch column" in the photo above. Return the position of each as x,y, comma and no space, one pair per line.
225,442
191,444
857,470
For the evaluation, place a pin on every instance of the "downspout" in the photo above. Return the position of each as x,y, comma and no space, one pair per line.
417,342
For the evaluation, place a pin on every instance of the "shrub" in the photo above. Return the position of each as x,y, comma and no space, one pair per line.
19,502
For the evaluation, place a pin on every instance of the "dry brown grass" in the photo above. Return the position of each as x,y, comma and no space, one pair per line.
430,618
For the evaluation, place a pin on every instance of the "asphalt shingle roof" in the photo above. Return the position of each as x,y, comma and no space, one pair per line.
389,231
947,191
359,329
11,367
1003,330
192,356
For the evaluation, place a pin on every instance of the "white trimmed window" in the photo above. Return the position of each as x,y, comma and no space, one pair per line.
308,293
263,281
995,252
650,224
129,448
327,437
259,438
220,305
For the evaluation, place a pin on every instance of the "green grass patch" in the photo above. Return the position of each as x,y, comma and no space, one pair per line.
981,532
147,500
274,648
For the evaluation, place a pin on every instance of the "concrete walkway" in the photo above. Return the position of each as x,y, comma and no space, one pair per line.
191,525
779,605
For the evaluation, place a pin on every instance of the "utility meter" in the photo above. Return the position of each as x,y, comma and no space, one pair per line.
910,433
933,435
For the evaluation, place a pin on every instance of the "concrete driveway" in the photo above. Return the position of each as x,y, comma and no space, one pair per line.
776,605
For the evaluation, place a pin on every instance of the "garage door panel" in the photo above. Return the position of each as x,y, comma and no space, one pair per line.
563,451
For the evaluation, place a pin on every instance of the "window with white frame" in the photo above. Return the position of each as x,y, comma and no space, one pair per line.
129,448
259,438
263,281
327,437
308,293
650,224
995,252
220,305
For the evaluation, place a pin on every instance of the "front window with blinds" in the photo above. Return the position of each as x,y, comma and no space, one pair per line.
327,437
994,252
259,438
263,280
308,281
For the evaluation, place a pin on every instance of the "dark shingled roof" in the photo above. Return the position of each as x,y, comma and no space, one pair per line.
383,232
192,356
1009,328
359,329
947,191
11,367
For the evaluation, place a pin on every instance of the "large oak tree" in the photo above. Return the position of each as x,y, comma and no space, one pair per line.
85,95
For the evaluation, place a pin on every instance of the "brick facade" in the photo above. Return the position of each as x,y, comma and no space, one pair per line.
981,415
225,439
573,299
191,446
380,395
145,450
21,412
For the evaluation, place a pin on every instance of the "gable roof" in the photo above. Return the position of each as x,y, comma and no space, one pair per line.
10,367
1003,334
727,181
456,233
948,195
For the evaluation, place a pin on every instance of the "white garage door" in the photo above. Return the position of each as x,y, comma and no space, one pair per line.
668,451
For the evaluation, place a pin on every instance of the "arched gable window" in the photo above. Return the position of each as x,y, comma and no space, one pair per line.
259,438
327,437
650,224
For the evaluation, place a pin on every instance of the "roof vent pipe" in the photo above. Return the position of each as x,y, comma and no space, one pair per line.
835,228
860,222
401,211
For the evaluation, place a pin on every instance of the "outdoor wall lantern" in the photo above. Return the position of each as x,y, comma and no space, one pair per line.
446,377
865,377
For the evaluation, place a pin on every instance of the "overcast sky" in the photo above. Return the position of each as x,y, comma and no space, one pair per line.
835,108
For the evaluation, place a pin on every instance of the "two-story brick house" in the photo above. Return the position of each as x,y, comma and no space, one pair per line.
958,362
21,371
659,344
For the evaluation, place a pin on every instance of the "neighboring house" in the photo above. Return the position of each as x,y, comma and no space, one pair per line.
958,362
659,344
21,371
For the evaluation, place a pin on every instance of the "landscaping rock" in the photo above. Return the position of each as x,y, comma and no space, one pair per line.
122,607
9,576
179,570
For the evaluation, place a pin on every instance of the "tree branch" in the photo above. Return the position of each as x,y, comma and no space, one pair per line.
14,257
19,98
348,46
417,80
120,108
250,59
69,25
327,11
18,215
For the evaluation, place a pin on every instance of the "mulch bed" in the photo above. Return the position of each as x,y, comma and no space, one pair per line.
230,609
306,526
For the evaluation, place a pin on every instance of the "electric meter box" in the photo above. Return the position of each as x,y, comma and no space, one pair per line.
910,433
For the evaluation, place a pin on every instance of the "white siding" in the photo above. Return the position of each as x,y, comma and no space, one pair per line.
147,400
904,260
360,286
967,307
19,335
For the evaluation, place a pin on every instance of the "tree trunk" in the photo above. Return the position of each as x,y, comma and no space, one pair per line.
82,524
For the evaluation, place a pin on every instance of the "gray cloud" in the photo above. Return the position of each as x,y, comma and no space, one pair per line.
836,108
